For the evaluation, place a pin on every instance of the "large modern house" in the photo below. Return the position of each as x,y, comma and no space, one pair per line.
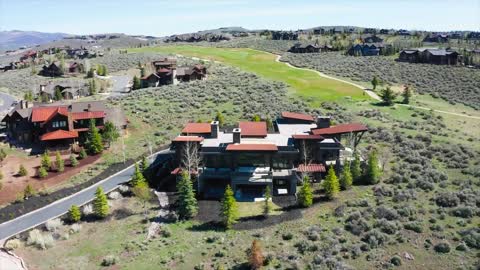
430,56
56,125
167,72
249,157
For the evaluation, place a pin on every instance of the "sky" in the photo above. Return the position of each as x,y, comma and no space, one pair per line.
167,17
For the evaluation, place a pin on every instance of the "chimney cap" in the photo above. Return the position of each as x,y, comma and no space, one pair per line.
214,123
237,130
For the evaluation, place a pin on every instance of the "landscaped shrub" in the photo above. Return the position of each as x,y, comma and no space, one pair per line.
75,228
74,214
87,210
22,171
442,247
73,161
109,260
13,244
52,225
39,239
42,172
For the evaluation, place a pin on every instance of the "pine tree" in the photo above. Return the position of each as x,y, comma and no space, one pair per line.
144,164
187,203
267,207
42,172
255,255
220,118
137,177
46,162
74,214
58,94
136,83
100,203
406,94
305,195
356,169
73,161
375,82
229,209
331,184
346,179
22,171
142,72
388,96
59,162
90,73
110,132
269,123
372,172
105,71
94,142
82,154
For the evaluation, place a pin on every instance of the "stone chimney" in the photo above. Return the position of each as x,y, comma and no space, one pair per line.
237,135
214,127
323,121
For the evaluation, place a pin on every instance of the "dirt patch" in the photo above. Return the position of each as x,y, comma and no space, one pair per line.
14,184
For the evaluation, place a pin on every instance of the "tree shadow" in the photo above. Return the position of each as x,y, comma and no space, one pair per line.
242,266
208,226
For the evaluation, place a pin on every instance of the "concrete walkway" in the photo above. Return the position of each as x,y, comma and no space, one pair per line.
60,207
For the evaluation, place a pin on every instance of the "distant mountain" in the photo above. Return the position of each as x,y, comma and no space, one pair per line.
15,39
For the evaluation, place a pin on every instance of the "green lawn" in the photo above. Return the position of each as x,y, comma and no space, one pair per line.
307,84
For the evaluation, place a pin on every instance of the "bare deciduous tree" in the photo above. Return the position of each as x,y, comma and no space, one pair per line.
190,157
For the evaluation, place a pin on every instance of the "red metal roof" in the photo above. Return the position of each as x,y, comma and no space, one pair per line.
197,128
307,137
42,114
88,115
58,135
252,147
340,129
298,116
188,139
253,129
311,168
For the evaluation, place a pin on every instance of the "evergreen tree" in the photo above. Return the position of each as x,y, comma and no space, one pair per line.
346,179
28,192
331,184
187,203
267,207
74,214
105,71
142,72
42,172
28,96
73,161
255,255
372,172
305,195
46,162
92,87
136,83
82,154
22,171
110,132
99,70
388,96
375,82
269,123
144,164
58,94
220,118
356,168
229,209
137,177
406,94
94,142
59,162
90,73
3,154
256,118
100,203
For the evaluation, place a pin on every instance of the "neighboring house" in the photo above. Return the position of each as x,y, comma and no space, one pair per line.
30,55
366,49
249,158
282,35
473,35
403,32
167,72
384,31
8,67
437,38
52,70
69,90
299,48
370,31
319,31
56,125
430,56
372,39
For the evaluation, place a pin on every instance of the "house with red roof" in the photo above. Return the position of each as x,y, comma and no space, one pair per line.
53,125
249,157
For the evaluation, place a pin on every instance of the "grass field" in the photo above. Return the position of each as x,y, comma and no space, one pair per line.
304,83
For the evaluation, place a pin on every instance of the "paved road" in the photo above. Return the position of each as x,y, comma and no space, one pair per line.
60,207
120,85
